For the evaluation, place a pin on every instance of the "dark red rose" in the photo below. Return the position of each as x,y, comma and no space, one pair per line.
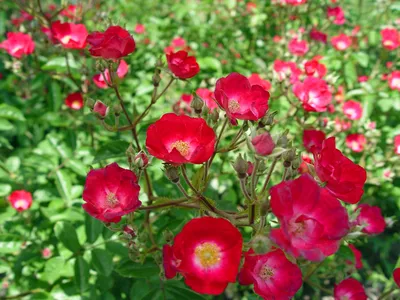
313,139
182,65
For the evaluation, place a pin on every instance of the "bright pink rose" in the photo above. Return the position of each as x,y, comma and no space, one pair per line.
110,193
18,44
263,144
178,42
357,257
140,29
182,65
298,47
363,78
313,139
72,11
356,142
343,178
349,289
341,42
20,200
390,38
295,2
313,222
46,253
352,109
337,14
314,67
397,144
99,80
240,99
100,108
287,69
208,97
255,79
394,80
273,275
319,36
70,35
313,93
370,217
341,125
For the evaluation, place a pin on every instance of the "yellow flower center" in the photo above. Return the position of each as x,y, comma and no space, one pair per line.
266,272
76,105
111,200
20,204
233,106
65,39
182,147
208,255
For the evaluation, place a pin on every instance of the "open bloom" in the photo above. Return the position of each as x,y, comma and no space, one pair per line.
352,109
287,69
313,139
314,67
312,220
180,139
208,97
273,275
394,80
114,43
20,200
101,82
110,193
298,47
207,253
70,35
240,99
18,44
182,65
390,38
255,79
356,142
343,178
313,93
74,101
319,36
341,42
370,217
337,14
397,144
349,289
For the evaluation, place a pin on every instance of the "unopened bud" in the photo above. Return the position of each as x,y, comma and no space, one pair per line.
197,104
296,163
128,230
141,160
156,79
172,173
89,102
263,144
283,141
100,109
250,168
267,120
262,166
215,115
100,66
289,155
168,236
264,207
117,109
241,166
261,244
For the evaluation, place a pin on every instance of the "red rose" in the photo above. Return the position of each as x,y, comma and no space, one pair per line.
313,93
342,125
394,80
319,36
370,217
113,43
337,14
273,275
18,44
72,12
99,80
396,276
313,222
110,193
255,79
207,253
70,35
397,144
343,178
140,29
100,108
313,139
357,257
20,200
390,38
352,109
349,289
240,99
208,97
74,101
298,47
180,139
263,144
182,65
295,2
313,66
287,69
341,42
356,142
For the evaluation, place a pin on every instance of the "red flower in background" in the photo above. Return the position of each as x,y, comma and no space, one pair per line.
319,36
352,109
341,42
74,101
349,289
313,66
114,43
343,178
397,144
99,80
110,193
295,2
312,220
394,80
178,42
255,79
180,139
370,217
342,125
357,257
396,276
273,275
18,44
20,200
287,69
207,253
70,35
356,142
208,97
182,65
390,38
337,14
313,93
298,47
140,29
72,12
313,139
305,160
240,99
263,144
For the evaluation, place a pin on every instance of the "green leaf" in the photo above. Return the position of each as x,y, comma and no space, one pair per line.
13,163
81,269
59,64
9,243
55,96
63,184
11,113
102,261
52,269
93,228
350,73
5,189
5,125
66,234
128,268
5,143
112,149
362,58
77,166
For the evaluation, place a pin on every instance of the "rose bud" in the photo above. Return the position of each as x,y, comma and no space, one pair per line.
240,166
172,173
128,230
263,144
182,65
18,44
350,289
357,257
197,104
141,160
70,35
114,43
261,244
100,108
20,200
250,168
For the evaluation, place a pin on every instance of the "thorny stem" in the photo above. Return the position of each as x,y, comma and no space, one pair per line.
217,142
182,189
387,294
271,169
254,179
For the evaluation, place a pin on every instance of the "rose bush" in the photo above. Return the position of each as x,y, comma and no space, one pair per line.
200,150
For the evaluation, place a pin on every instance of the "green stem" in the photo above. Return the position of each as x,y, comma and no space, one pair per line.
271,169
